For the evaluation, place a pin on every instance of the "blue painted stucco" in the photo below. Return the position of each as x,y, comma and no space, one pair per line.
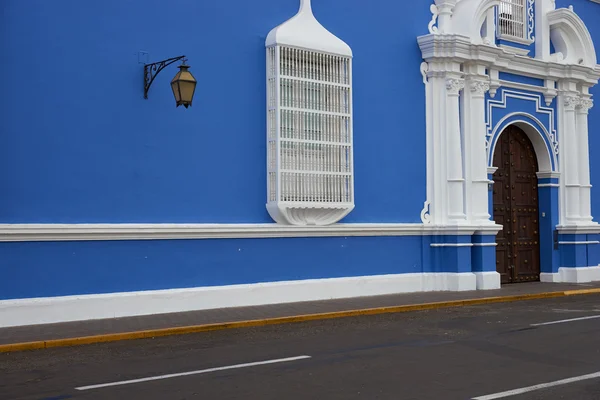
520,79
121,266
548,213
483,253
79,143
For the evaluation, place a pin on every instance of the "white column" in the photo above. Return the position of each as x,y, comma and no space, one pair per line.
475,150
570,152
583,157
454,164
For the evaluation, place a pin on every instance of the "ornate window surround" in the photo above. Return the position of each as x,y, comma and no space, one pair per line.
527,20
460,65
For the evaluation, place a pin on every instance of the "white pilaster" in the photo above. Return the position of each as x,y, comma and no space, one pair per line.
542,29
454,152
477,84
570,185
585,103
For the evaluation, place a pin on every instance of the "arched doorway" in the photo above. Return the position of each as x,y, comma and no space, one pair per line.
516,207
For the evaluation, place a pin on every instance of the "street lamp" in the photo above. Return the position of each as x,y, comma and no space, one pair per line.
183,84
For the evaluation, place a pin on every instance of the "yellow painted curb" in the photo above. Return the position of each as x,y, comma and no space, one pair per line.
151,333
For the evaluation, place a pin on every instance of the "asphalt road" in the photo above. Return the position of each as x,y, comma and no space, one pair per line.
460,353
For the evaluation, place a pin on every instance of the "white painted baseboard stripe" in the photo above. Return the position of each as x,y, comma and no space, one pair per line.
115,305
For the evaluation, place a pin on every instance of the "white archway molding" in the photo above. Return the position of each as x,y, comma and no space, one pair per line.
571,37
535,131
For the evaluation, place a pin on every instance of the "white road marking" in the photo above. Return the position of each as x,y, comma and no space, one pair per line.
566,320
202,371
537,387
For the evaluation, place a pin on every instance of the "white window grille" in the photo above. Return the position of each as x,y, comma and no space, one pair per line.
309,123
309,133
512,19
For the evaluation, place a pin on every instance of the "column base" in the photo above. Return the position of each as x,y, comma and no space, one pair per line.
572,275
487,280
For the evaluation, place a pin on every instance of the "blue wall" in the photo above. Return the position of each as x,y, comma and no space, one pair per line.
78,143
121,266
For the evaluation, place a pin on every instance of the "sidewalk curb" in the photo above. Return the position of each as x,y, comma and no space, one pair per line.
152,333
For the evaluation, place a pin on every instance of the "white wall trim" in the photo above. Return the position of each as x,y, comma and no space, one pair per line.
556,185
451,245
590,229
115,305
548,175
86,232
581,242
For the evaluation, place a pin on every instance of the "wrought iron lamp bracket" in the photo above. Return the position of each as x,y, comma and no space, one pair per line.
151,70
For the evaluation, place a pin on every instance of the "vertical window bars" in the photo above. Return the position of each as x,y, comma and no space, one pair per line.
512,18
309,127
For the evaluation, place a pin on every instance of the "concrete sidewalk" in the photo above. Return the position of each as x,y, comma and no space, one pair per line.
122,328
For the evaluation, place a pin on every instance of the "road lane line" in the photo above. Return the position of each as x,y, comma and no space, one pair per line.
537,387
201,371
566,320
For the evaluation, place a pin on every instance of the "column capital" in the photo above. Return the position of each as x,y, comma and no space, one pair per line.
584,105
455,85
571,102
478,86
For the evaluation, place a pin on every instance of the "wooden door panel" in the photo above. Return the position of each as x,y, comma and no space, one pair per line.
516,207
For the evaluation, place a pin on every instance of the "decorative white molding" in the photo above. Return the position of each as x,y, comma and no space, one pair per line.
451,245
463,46
115,305
571,37
548,175
454,86
587,229
457,48
514,50
87,232
548,131
542,185
580,242
434,16
549,93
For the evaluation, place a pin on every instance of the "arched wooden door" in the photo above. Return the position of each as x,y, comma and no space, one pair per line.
516,207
